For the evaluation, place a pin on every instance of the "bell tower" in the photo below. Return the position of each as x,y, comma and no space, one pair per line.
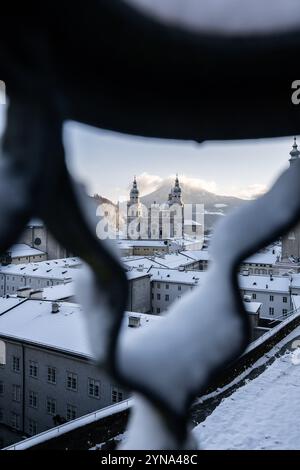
291,241
133,210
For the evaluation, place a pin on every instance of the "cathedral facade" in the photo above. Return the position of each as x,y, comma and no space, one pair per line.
158,222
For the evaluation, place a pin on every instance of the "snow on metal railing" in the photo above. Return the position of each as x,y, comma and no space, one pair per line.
71,425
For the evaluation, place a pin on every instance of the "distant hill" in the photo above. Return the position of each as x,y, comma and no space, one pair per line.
102,200
215,205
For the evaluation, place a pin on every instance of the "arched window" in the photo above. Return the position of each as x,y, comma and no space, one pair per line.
2,353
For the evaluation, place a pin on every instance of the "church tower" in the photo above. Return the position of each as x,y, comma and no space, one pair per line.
291,241
133,210
176,211
175,194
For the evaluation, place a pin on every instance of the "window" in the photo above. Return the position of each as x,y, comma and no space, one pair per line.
271,298
253,296
158,285
271,311
51,376
16,395
1,388
33,399
1,415
33,369
16,364
152,296
167,297
167,286
158,310
72,381
158,296
51,406
284,312
15,421
94,388
116,395
32,427
179,287
71,412
284,300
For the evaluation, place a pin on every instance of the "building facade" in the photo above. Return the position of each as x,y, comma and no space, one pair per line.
47,375
158,222
291,241
36,235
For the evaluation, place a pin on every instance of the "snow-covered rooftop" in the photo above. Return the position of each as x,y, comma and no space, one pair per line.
252,307
142,243
139,262
263,258
21,249
59,292
198,255
35,223
56,269
32,321
264,283
167,260
6,303
136,273
173,275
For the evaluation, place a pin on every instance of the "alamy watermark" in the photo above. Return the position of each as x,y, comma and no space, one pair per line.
296,93
2,92
159,221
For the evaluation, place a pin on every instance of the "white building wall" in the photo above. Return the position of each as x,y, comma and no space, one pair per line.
163,294
278,304
10,283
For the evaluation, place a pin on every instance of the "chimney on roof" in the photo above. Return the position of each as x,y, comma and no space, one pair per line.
54,307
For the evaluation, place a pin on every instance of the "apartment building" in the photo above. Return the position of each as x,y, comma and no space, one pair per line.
47,375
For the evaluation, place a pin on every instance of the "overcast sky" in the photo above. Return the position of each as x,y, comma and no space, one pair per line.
106,162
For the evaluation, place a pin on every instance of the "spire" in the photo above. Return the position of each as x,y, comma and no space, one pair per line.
134,193
294,153
175,194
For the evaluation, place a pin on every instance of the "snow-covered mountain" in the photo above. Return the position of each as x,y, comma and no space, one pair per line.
215,205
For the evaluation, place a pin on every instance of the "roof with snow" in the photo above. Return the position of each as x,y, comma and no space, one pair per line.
136,274
32,321
263,258
139,262
252,307
198,255
21,249
264,283
141,243
59,292
55,269
175,276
